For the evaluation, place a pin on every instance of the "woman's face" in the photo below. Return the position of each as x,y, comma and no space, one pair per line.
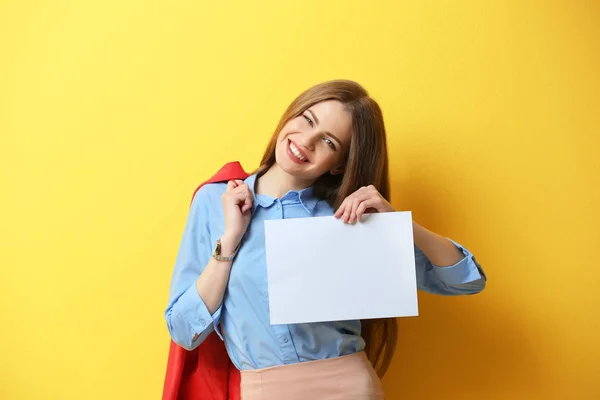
315,142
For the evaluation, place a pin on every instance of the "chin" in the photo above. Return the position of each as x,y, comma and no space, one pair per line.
298,171
290,167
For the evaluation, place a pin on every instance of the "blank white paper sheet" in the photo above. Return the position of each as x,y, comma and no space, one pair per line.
320,269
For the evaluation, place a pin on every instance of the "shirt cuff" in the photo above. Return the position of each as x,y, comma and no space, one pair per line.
465,271
194,311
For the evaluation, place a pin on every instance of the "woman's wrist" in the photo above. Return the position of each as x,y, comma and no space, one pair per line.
229,244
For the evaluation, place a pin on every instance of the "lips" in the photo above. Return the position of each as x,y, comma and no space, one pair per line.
296,154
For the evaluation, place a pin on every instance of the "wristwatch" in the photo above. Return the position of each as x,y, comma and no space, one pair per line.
217,252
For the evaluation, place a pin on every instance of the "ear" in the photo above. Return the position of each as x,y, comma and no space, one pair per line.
337,170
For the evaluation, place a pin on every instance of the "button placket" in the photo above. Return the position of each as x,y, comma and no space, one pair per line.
282,339
286,346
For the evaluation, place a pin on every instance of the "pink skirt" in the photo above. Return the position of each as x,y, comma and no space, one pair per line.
342,378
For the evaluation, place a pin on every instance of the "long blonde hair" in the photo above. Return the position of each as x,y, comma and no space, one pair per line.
366,164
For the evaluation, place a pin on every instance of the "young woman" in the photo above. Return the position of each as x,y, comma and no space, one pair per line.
328,156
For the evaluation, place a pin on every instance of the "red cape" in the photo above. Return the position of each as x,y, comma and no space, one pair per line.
205,373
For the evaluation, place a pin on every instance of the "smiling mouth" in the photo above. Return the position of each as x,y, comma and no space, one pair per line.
295,152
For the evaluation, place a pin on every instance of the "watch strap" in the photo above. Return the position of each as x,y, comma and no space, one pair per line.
217,252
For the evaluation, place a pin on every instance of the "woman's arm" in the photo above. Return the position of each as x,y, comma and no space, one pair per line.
199,281
237,208
445,267
188,317
438,249
442,265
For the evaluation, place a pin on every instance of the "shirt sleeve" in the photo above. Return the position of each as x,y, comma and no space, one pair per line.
464,277
188,319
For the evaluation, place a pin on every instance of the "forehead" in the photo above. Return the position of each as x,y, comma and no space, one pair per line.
334,118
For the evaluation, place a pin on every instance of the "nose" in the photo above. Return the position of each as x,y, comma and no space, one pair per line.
307,140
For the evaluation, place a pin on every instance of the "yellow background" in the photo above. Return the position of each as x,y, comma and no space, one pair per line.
111,112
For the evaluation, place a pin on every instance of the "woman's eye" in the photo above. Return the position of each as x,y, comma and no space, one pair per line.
330,143
310,121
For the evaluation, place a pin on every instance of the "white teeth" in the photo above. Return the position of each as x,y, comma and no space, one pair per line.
296,152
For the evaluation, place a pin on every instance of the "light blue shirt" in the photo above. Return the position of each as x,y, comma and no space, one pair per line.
251,341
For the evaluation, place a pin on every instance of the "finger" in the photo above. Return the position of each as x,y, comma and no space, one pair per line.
230,186
353,203
369,195
364,206
243,190
348,210
363,193
243,197
344,206
239,195
355,206
248,201
340,211
341,208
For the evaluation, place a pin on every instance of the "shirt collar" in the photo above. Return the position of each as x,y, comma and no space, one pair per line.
307,197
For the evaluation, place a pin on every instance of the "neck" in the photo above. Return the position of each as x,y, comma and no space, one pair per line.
276,182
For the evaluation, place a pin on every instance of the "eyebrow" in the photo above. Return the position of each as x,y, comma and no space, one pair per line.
327,133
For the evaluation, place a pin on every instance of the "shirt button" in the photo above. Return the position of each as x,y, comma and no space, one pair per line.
202,322
278,206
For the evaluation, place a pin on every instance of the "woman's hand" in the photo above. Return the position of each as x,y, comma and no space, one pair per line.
365,199
237,207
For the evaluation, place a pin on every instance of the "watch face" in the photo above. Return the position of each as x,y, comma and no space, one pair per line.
217,251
